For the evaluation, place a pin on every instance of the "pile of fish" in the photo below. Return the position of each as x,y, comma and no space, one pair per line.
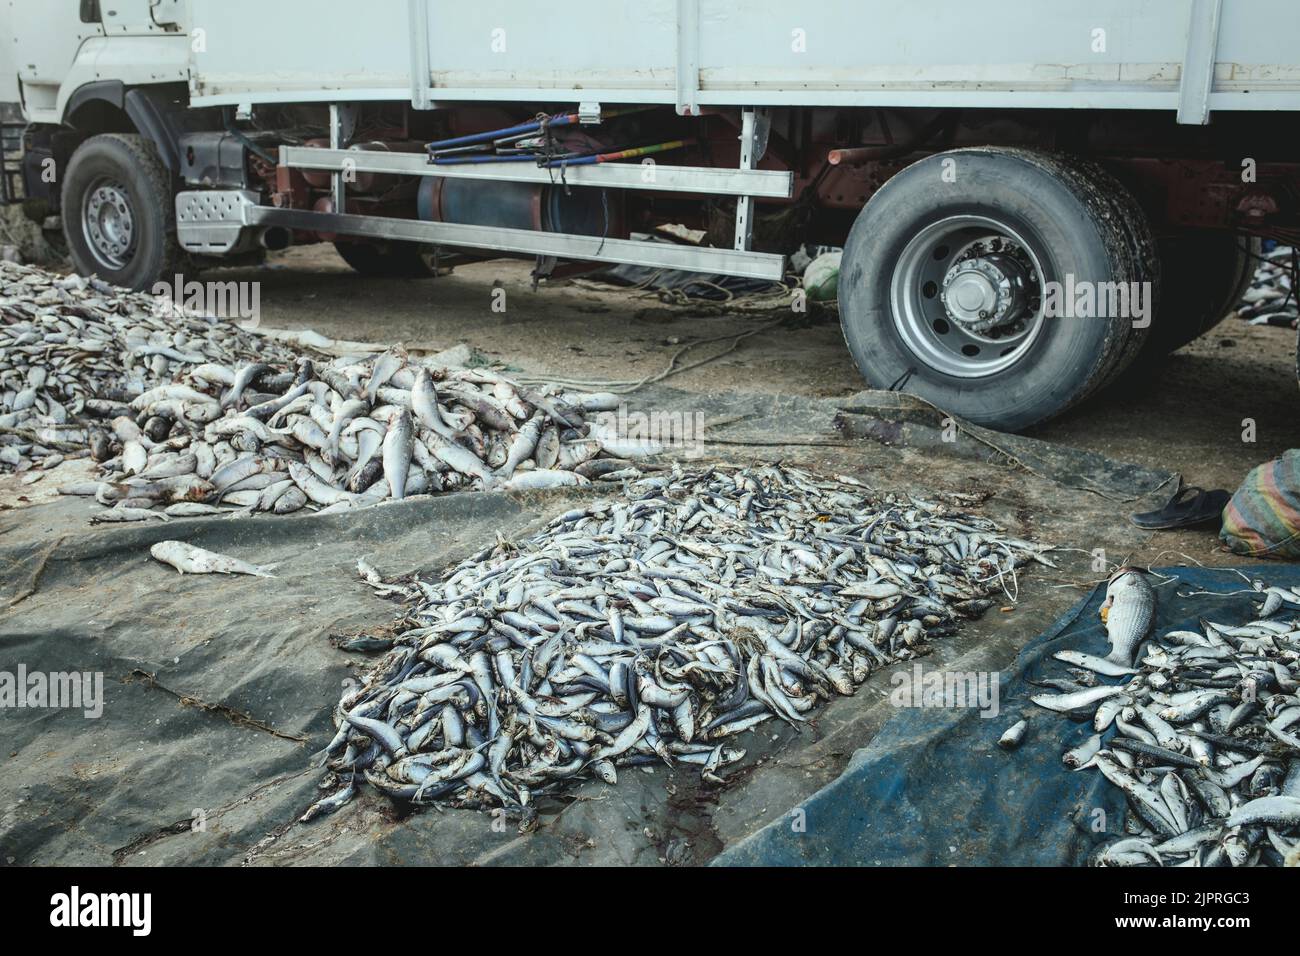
347,434
1270,300
74,350
1200,733
653,629
190,416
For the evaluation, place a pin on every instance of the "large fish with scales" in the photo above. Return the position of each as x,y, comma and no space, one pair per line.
1129,611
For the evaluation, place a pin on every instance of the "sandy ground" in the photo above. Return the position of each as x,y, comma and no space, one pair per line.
1194,416
1189,418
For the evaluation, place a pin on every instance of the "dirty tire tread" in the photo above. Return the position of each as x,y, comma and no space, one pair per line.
1123,235
167,257
1143,252
1127,236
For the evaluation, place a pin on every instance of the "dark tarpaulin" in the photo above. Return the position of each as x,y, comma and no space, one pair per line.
217,691
216,688
933,788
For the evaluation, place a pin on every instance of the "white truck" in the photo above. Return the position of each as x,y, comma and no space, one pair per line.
1009,178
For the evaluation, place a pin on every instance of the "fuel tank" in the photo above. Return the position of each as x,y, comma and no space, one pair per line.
536,207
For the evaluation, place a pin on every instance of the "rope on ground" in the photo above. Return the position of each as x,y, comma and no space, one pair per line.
624,386
1085,485
745,302
237,717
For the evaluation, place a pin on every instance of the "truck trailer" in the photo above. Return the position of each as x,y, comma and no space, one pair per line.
1035,198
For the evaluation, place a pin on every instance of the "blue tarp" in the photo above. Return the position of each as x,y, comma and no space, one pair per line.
934,788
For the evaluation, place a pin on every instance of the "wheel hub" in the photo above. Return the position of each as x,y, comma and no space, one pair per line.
965,296
108,223
984,292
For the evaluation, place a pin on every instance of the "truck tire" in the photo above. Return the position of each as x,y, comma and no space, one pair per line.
943,286
119,211
1214,269
389,259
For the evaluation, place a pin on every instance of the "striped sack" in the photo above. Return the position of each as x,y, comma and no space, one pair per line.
1263,517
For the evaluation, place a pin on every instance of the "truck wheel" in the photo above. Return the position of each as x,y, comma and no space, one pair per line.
389,260
119,211
1213,271
962,281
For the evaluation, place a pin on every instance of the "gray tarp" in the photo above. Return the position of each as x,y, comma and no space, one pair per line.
219,689
80,790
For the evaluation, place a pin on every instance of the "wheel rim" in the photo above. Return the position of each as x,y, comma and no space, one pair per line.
108,223
966,296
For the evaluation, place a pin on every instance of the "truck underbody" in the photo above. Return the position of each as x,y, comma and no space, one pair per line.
1186,178
966,204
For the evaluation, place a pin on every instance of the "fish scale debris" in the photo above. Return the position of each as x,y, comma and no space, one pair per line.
1203,738
655,628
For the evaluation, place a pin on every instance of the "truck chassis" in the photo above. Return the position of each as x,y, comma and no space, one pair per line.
967,185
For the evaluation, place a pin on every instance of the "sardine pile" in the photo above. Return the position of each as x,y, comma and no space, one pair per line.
654,628
347,434
73,349
1201,736
1270,299
189,416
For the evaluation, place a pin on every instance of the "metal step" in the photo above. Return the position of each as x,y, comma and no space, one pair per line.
214,220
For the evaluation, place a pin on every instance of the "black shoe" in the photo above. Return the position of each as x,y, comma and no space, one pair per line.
1191,506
